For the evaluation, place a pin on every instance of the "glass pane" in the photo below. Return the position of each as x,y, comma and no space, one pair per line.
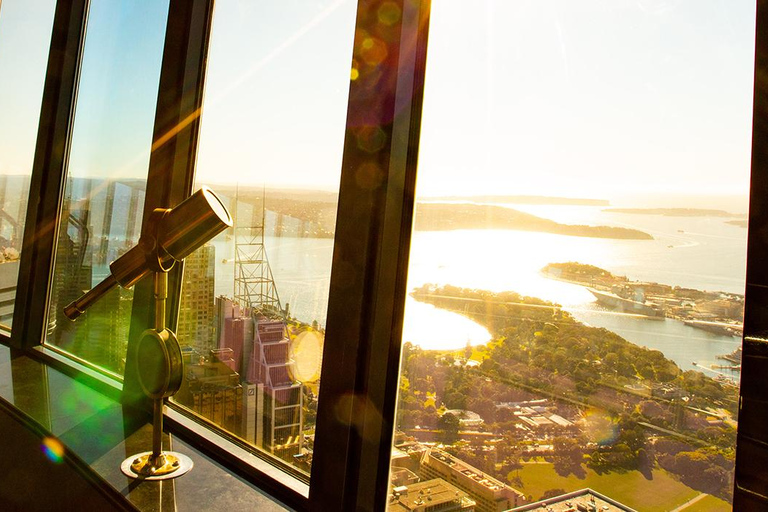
25,38
106,180
577,266
254,301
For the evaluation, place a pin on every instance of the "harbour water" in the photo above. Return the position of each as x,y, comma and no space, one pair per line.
704,253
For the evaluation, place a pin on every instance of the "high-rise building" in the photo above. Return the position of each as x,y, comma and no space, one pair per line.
272,400
490,494
277,399
235,328
9,272
212,389
196,308
103,337
72,273
430,496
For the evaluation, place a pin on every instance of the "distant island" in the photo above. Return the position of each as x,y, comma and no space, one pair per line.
448,216
525,200
742,223
674,212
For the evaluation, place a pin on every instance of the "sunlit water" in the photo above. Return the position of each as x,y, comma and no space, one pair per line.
697,252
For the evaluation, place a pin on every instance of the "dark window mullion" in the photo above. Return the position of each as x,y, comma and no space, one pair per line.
48,171
368,278
174,149
751,484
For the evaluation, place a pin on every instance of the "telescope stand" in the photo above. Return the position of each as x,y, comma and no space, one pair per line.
157,464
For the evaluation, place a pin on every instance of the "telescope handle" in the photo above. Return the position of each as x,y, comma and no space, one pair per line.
77,307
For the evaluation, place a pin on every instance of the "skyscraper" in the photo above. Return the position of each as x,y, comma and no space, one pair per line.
272,399
279,413
197,308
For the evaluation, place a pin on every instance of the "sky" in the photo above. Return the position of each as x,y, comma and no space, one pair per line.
25,34
118,87
584,98
589,98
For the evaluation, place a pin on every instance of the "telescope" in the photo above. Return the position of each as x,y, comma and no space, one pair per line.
171,235
174,234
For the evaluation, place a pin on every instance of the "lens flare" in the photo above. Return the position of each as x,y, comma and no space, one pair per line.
53,449
389,13
600,428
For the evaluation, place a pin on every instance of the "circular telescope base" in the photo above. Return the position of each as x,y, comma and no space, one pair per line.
168,465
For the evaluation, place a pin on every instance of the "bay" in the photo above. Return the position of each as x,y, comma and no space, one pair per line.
703,253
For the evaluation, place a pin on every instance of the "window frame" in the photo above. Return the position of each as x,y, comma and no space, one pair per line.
750,480
351,466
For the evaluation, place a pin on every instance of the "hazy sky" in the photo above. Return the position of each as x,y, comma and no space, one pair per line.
563,97
25,34
587,97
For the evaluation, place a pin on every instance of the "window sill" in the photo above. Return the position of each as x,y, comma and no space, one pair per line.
98,430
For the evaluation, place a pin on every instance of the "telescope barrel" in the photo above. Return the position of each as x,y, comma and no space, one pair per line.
192,223
174,235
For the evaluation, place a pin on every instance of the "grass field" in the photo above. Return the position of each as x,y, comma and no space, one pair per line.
709,504
659,494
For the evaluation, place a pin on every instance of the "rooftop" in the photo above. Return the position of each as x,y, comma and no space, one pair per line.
416,497
470,472
585,500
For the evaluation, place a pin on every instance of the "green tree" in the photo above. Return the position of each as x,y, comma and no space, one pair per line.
448,425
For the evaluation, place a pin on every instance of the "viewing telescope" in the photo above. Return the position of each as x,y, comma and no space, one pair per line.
174,234
170,235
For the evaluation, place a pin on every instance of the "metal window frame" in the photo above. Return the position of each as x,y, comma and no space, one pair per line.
172,159
356,407
750,478
48,173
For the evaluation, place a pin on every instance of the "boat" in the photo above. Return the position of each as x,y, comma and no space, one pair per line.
736,368
723,329
626,305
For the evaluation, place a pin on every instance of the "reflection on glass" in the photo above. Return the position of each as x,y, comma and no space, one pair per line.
105,187
25,37
577,265
254,300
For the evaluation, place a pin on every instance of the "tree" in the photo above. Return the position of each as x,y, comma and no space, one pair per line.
448,424
551,493
568,456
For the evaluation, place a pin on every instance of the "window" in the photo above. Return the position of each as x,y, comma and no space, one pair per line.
106,179
25,35
252,315
577,269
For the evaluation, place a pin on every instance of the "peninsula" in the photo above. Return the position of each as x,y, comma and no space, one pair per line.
674,212
449,216
718,312
575,201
